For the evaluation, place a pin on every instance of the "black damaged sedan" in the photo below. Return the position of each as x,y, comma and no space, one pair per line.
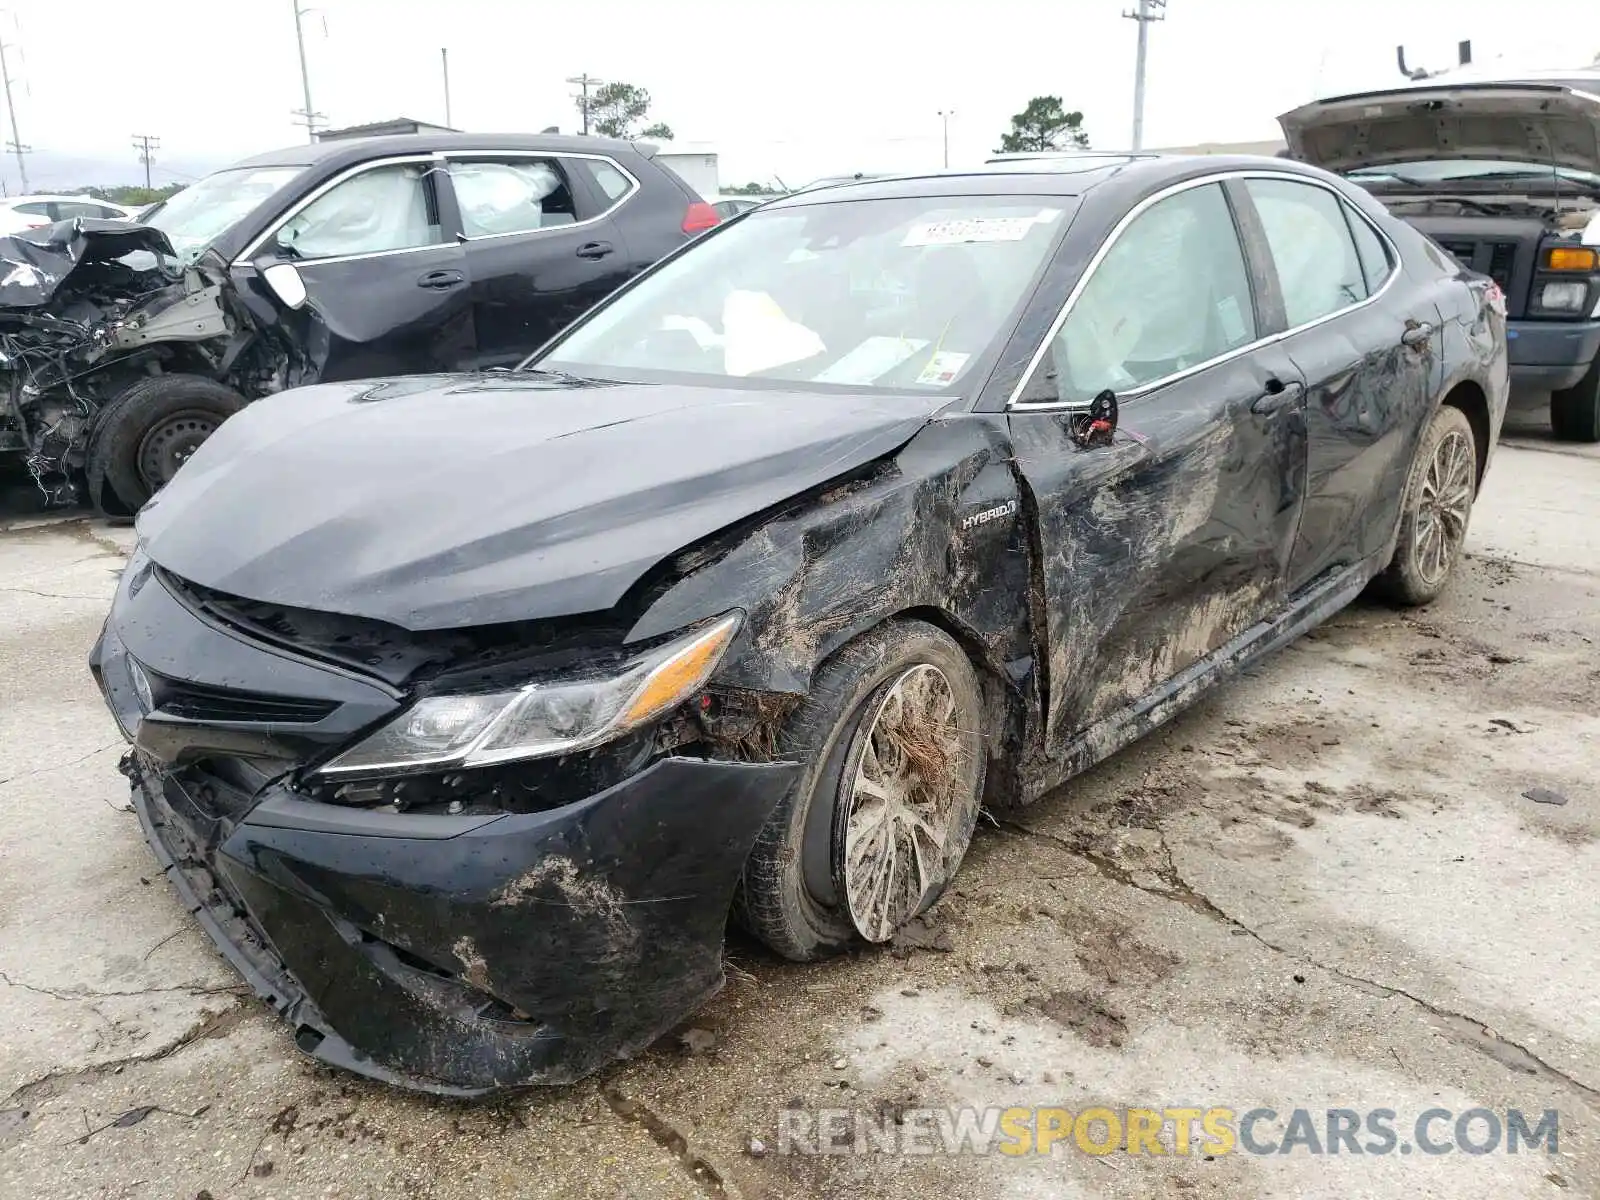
465,709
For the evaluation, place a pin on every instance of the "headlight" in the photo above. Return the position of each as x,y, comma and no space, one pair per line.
1567,295
557,716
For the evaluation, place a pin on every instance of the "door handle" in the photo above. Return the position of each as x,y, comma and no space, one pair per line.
1278,395
595,249
1417,333
440,279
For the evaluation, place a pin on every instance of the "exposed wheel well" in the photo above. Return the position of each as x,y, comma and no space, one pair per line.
1469,398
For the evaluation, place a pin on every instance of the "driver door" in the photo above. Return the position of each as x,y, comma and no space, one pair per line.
1160,547
384,276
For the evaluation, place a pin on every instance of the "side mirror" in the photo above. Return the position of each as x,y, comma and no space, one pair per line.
286,284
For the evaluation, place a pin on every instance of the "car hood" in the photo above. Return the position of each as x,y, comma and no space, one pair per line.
1535,123
447,501
33,263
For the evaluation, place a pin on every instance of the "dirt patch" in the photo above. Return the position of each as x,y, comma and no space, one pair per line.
1090,1017
474,968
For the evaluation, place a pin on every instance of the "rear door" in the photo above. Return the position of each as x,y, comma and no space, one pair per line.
1160,547
541,245
384,275
1369,346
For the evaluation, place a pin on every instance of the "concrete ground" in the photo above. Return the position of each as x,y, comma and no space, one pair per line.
1321,888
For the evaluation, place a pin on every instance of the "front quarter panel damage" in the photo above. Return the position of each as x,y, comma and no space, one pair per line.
936,530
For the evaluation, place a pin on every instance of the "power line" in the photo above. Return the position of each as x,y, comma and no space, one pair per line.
1144,15
15,144
146,145
585,81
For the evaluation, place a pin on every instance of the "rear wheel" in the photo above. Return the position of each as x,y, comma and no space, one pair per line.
881,816
1575,412
149,431
1438,506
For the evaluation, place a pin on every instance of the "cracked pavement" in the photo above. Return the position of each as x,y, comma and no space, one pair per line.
1321,888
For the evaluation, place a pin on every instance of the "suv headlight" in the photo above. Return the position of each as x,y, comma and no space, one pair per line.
556,716
1566,295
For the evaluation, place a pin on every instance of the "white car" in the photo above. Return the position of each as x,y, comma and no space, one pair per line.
18,213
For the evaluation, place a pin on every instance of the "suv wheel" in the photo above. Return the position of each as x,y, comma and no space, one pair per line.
149,431
1575,412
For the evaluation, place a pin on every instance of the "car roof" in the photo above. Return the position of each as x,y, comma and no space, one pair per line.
348,151
1052,175
79,197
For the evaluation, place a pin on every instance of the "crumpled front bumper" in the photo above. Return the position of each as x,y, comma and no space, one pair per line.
463,955
451,953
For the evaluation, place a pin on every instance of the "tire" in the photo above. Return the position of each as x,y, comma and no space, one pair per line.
793,893
148,431
1438,496
1575,412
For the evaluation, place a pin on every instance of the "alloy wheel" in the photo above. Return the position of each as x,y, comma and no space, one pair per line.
1443,505
905,809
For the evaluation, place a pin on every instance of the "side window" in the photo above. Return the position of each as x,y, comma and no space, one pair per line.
37,208
612,182
67,209
1318,268
511,195
386,208
1171,293
1374,255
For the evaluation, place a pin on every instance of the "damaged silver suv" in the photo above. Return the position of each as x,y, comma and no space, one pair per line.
1504,175
123,347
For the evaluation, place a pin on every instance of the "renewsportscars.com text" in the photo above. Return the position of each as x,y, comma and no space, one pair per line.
1177,1131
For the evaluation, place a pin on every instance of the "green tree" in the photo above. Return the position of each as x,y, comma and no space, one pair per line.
1044,125
751,189
615,109
133,195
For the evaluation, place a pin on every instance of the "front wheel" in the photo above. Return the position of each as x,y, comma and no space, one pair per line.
149,431
1438,505
881,816
1575,412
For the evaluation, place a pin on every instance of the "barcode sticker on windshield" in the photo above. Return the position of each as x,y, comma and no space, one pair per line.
943,367
969,229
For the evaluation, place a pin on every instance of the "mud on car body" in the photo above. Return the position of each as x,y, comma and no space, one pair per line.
123,347
464,709
1504,174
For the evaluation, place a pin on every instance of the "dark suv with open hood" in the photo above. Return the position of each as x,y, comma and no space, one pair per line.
1505,176
123,346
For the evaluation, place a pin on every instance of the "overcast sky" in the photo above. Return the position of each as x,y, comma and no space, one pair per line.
793,88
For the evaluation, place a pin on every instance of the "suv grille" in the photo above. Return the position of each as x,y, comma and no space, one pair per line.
1497,260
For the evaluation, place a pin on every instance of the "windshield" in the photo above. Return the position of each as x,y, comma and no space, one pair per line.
200,213
907,294
1453,170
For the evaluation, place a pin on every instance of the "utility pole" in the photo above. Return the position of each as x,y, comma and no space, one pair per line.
145,144
444,64
585,81
944,115
1144,14
15,144
308,115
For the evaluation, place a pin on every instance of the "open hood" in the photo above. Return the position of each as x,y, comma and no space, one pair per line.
1544,124
447,501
